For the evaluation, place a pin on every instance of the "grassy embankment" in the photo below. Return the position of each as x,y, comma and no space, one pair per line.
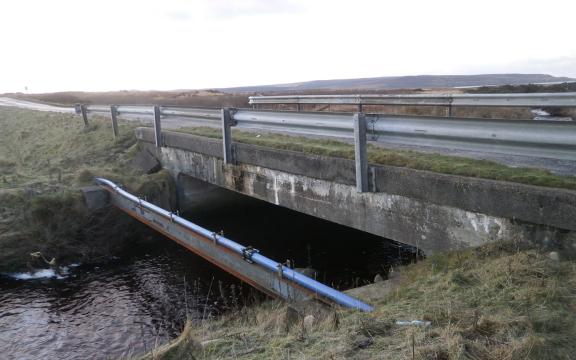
415,160
500,301
527,88
44,159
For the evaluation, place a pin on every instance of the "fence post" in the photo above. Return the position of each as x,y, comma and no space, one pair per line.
114,117
84,113
361,154
449,106
227,136
157,127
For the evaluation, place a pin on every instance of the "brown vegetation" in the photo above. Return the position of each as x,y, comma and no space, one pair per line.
216,99
500,301
194,98
528,88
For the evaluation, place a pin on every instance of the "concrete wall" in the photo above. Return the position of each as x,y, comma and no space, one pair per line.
434,212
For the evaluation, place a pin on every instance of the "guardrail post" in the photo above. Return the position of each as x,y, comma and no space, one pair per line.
227,136
84,113
114,117
157,127
449,107
361,154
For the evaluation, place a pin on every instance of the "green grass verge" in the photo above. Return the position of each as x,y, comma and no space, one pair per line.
44,159
37,147
452,165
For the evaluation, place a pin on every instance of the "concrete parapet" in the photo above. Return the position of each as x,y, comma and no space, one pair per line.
434,212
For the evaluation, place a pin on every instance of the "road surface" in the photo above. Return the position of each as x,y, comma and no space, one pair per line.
9,102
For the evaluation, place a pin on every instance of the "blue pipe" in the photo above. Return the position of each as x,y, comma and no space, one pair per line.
258,259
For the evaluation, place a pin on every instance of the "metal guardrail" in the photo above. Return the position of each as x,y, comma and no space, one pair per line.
243,262
147,110
494,100
544,139
535,138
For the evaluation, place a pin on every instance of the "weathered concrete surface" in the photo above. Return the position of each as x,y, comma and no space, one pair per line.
146,162
434,212
95,197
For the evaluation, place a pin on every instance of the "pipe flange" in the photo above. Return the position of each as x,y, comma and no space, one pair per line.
247,253
372,128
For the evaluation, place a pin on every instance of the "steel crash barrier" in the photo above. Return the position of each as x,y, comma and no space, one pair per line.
534,138
531,100
244,262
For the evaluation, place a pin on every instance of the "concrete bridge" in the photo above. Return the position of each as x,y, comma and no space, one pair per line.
433,212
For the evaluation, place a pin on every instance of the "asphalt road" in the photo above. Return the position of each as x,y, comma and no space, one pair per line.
561,167
9,102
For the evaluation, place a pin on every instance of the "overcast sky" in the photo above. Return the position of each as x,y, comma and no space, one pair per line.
57,45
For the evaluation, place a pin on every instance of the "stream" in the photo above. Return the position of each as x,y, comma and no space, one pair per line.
139,299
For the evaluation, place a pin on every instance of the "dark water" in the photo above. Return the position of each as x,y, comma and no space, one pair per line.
137,300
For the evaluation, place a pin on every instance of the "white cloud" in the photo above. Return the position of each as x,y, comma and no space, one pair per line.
176,44
236,8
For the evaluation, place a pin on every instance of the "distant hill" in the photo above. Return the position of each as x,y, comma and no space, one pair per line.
403,82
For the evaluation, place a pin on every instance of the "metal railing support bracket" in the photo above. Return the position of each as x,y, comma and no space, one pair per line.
361,154
114,118
227,123
84,113
158,127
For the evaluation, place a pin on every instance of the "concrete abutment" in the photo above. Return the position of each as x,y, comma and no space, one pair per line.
433,212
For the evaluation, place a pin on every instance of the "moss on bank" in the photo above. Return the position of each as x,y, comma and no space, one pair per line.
500,301
453,165
44,159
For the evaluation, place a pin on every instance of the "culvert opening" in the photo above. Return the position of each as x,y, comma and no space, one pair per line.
337,255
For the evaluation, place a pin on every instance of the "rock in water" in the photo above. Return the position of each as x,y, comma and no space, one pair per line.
554,256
